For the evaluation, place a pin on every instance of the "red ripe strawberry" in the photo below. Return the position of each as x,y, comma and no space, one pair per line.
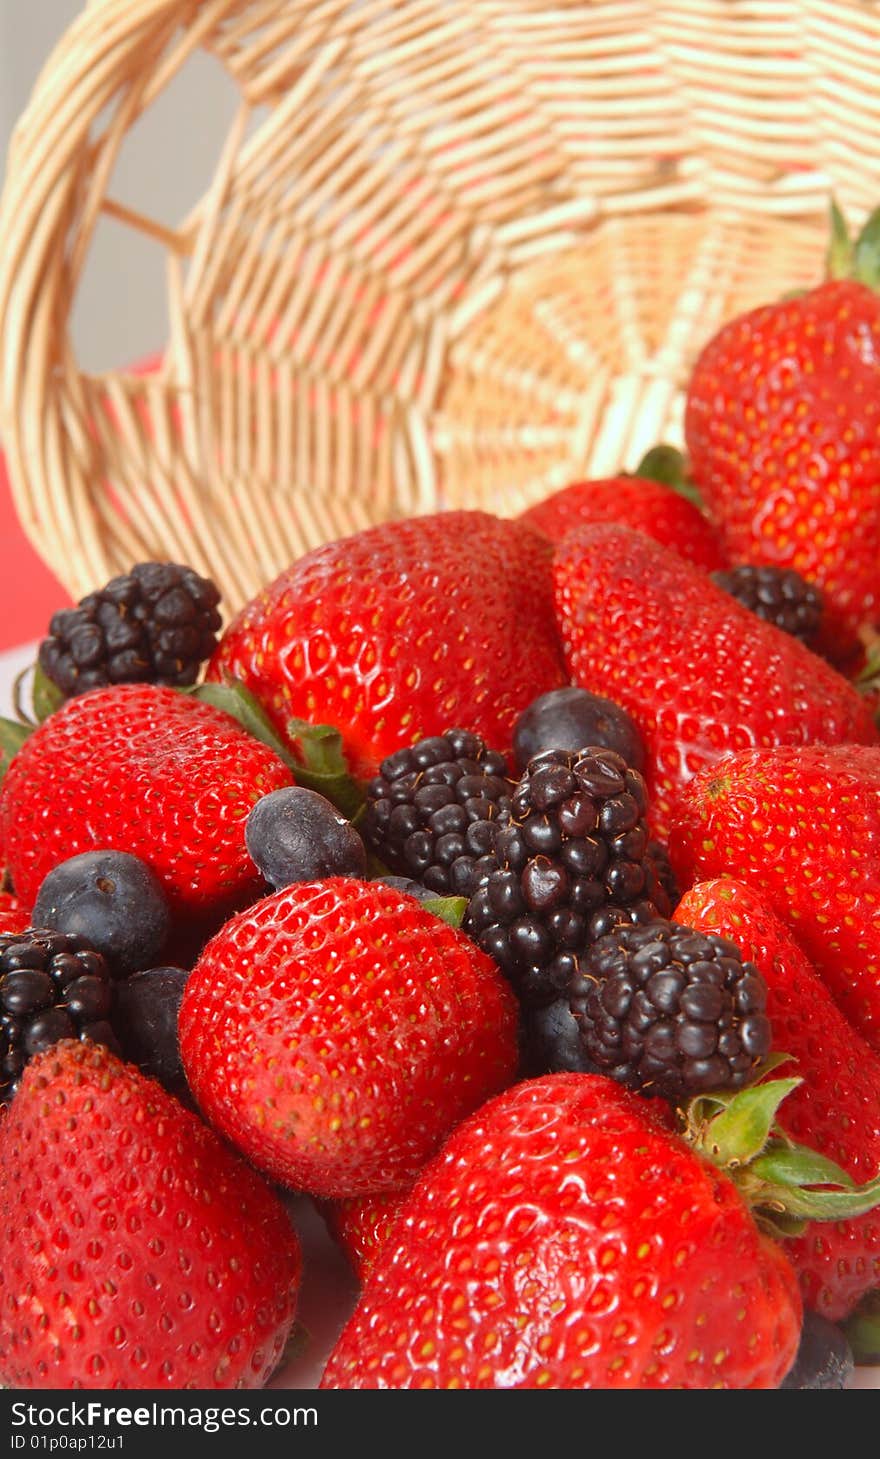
146,770
566,1238
402,631
14,916
337,1030
802,826
362,1225
836,1110
783,429
700,674
136,1251
631,501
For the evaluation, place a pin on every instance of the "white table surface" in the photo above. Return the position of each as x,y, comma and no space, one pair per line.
329,1289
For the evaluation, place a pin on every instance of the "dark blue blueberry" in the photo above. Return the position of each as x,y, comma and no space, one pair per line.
824,1357
296,835
410,888
145,1023
553,1041
571,719
113,901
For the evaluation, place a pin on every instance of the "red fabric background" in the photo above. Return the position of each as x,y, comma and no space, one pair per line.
29,593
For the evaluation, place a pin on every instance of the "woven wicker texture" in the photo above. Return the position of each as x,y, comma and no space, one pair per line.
454,252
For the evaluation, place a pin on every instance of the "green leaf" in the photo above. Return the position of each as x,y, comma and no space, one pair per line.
667,465
321,765
12,737
866,254
839,257
863,1329
46,697
319,762
796,1165
741,1131
449,909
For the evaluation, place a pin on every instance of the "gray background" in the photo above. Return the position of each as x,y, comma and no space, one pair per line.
163,168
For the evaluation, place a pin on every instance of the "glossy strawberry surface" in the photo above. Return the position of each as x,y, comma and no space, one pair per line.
146,770
402,631
802,826
631,501
362,1224
336,1031
783,431
835,1110
136,1251
699,673
564,1238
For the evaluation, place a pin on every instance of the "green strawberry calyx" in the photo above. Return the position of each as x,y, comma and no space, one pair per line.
45,698
856,257
862,1329
313,752
666,465
786,1184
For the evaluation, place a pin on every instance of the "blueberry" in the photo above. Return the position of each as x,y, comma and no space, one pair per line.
824,1357
113,901
410,888
145,1022
297,835
571,719
553,1042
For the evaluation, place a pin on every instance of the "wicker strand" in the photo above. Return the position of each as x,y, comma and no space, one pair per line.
454,252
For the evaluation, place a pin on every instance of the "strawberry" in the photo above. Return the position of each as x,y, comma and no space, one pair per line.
836,1110
699,673
402,631
802,826
362,1224
565,1237
136,1251
631,501
337,1030
14,916
146,770
783,428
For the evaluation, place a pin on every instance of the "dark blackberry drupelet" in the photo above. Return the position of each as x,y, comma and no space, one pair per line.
567,867
154,625
779,595
663,887
671,1011
433,810
52,987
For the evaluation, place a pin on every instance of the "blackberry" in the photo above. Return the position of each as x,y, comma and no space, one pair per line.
52,987
568,865
779,595
433,810
666,1009
663,887
155,624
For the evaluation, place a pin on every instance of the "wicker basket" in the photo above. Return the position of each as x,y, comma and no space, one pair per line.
454,252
